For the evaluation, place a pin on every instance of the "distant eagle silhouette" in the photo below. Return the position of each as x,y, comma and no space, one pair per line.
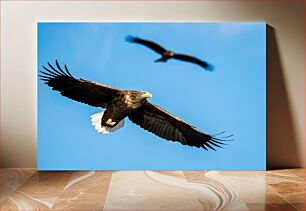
119,104
167,54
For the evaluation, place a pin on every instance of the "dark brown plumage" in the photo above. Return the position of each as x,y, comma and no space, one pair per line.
167,54
125,103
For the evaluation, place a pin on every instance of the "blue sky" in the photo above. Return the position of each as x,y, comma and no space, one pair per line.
232,98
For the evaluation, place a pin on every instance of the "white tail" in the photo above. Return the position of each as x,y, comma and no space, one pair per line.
96,121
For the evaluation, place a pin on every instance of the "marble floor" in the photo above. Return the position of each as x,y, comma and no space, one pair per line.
27,189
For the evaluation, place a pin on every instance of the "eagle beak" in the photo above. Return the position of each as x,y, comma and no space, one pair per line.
148,95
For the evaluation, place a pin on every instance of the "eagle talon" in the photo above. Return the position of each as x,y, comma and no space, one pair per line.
110,122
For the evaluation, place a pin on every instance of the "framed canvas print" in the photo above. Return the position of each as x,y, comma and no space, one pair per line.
152,96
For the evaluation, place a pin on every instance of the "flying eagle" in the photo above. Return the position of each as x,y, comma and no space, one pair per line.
167,54
119,104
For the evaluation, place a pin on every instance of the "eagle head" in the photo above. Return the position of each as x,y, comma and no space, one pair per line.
146,94
135,98
168,53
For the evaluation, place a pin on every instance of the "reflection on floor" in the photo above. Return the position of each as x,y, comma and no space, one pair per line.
27,189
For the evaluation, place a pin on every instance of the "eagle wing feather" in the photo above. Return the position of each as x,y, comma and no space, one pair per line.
84,91
165,125
152,45
188,58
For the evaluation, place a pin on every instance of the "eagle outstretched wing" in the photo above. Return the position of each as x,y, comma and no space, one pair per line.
152,45
165,125
91,93
188,58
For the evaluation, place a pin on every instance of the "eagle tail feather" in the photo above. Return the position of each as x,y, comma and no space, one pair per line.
96,121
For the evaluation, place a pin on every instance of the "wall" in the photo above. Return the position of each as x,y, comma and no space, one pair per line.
285,73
